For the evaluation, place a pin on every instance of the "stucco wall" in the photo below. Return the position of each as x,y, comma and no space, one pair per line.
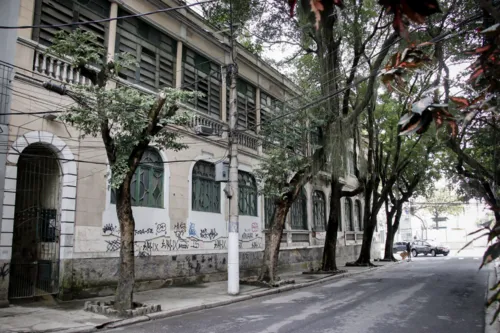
98,277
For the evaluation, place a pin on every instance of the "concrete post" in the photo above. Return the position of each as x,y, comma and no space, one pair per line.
233,260
9,15
178,66
113,13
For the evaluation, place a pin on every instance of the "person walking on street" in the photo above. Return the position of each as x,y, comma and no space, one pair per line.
408,249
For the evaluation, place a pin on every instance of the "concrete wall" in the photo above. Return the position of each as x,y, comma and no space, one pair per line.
98,277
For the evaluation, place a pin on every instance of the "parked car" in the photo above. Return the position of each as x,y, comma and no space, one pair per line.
399,247
428,247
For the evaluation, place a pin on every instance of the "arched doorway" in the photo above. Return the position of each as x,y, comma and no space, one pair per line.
34,268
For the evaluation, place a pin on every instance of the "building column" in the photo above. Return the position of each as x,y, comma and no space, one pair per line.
9,15
223,95
178,66
113,13
257,117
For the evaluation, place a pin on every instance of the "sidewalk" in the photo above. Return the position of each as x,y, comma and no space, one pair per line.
68,317
491,326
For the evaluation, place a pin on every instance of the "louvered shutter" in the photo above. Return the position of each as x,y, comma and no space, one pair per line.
153,50
201,75
54,12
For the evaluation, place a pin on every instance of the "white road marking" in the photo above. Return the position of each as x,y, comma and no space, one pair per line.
460,258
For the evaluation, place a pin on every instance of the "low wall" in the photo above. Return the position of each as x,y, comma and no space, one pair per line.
92,277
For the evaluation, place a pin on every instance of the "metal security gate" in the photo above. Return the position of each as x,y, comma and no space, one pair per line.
34,269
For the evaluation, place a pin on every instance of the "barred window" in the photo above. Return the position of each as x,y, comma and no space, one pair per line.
247,199
269,207
200,74
246,105
358,214
53,12
348,214
299,212
205,190
268,106
319,211
146,187
153,50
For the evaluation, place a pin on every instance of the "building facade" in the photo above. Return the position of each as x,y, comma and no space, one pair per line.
59,229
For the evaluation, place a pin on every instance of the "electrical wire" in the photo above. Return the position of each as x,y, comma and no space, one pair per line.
106,19
357,82
321,99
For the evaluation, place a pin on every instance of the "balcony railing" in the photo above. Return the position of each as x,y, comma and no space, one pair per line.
62,70
205,120
58,69
248,140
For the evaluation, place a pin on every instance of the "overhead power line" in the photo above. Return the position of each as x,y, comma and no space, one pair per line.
322,99
104,20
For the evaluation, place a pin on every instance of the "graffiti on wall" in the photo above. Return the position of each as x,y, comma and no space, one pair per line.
158,238
250,239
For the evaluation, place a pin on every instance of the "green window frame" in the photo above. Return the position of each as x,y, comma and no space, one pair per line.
298,212
269,207
247,199
268,106
319,211
203,75
246,105
53,12
154,52
146,187
205,190
358,214
348,214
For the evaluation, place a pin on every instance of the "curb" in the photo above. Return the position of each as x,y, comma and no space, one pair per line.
236,299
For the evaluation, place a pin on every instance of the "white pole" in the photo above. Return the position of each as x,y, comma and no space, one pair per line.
233,260
233,264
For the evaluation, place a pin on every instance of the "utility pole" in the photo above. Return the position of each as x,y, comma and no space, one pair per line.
233,260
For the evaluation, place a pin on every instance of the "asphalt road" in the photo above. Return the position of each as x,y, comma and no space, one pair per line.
430,294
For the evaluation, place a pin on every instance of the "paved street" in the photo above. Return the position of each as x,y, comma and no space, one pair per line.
431,294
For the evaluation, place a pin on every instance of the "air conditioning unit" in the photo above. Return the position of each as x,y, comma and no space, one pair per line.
203,130
222,171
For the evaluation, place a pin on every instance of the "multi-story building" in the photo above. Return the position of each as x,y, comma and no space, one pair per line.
59,230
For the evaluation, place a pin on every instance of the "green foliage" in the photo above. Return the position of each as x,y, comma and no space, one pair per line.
82,47
254,47
284,144
443,202
127,115
218,13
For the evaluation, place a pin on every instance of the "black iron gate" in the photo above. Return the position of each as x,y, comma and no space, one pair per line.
34,269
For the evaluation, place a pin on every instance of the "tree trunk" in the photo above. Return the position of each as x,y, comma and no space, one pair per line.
330,249
392,229
389,241
126,271
365,254
273,241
